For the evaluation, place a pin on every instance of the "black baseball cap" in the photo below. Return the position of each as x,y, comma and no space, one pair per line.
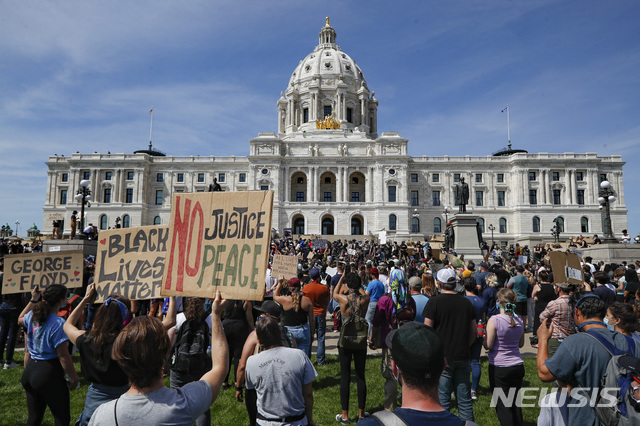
417,350
269,307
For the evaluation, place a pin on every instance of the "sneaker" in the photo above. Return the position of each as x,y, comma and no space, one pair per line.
474,395
8,366
341,420
364,416
225,386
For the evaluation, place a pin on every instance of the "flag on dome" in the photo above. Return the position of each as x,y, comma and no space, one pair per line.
151,111
505,108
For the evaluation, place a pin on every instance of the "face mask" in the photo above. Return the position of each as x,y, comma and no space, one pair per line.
609,326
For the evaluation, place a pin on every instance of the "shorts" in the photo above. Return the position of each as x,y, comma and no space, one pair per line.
521,308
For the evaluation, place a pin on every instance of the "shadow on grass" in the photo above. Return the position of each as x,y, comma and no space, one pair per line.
326,382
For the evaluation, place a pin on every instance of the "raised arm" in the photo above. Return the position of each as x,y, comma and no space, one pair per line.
219,357
35,298
170,319
70,328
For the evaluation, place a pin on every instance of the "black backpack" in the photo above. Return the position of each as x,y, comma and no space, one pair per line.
190,352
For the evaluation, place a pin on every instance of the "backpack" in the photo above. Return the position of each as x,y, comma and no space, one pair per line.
72,302
405,314
354,328
389,418
618,375
190,352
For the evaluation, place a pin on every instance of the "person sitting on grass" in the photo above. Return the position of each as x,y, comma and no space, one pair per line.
141,350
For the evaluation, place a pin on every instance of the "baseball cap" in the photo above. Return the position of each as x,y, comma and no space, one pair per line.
269,307
314,273
375,272
417,350
446,276
415,282
484,265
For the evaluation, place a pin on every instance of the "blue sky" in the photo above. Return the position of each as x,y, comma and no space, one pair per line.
82,76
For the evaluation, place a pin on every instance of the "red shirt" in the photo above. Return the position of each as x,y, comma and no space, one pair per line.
319,295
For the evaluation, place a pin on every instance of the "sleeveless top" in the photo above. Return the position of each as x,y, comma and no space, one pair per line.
546,294
505,351
291,318
234,311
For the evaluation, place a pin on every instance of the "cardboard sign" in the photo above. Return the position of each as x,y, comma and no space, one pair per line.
331,271
130,262
566,268
23,272
286,266
351,252
382,236
319,243
218,241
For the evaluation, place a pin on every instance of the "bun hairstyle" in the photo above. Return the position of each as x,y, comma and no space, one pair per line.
507,301
51,296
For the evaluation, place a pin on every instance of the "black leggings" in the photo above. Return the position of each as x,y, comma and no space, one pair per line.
45,386
236,332
506,378
359,360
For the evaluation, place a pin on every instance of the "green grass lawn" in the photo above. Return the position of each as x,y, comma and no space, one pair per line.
226,411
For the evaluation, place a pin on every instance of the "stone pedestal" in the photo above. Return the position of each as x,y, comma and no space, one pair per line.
88,247
613,252
466,242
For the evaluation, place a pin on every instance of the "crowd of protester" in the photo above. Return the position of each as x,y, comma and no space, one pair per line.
430,316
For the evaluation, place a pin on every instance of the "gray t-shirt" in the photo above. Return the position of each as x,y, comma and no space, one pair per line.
278,375
164,406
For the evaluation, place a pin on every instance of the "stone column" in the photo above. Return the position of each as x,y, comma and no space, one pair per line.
345,182
339,195
310,185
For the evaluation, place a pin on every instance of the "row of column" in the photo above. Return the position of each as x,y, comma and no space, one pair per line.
341,184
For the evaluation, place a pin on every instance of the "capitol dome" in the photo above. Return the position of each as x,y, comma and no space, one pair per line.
327,82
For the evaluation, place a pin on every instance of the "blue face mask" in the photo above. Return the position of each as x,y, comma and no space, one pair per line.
609,326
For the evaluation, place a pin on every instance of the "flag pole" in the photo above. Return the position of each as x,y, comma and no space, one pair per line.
150,127
508,128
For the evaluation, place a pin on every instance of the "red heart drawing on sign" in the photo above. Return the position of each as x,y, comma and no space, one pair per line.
103,241
10,279
76,273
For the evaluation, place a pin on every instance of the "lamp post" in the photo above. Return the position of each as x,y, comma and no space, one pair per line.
83,195
606,196
492,228
555,231
446,215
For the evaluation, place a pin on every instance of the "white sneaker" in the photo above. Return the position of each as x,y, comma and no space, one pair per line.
8,366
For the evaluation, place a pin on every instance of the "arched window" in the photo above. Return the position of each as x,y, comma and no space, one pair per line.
503,225
560,222
327,226
103,221
126,221
157,220
437,225
393,222
415,225
356,226
481,224
298,226
584,224
535,224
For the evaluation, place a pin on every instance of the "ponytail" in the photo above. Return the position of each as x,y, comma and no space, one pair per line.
52,295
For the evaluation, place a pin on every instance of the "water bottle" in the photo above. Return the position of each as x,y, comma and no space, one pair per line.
209,351
480,329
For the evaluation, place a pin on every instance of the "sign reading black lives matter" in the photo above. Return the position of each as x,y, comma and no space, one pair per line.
218,241
23,272
130,262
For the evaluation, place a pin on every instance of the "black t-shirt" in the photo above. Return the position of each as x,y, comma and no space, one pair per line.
107,372
452,315
632,287
607,296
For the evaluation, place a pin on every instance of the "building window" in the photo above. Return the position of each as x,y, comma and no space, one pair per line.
180,177
103,221
414,177
108,175
126,221
299,180
106,196
159,177
130,175
200,177
65,177
414,198
580,196
584,224
437,225
532,175
63,196
327,110
535,224
501,199
556,196
603,177
393,222
354,180
415,225
300,197
560,223
327,197
579,176
480,223
129,198
305,115
327,180
356,226
159,196
533,197
355,197
298,226
242,177
86,175
392,171
179,190
349,115
478,177
503,225
555,176
264,187
265,171
221,177
157,220
500,177
435,178
456,177
327,226
479,198
392,194
435,195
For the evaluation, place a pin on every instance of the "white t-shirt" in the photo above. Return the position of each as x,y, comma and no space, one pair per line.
181,318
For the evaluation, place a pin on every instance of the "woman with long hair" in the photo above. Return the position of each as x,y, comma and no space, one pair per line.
623,318
632,285
503,339
50,373
297,313
429,284
108,381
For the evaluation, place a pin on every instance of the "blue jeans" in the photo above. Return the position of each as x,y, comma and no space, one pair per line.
302,334
321,328
456,378
97,395
371,310
8,332
476,370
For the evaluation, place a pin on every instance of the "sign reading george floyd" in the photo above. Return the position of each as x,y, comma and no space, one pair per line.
23,272
218,241
130,262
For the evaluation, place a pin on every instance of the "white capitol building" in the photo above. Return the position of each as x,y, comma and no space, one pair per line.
343,176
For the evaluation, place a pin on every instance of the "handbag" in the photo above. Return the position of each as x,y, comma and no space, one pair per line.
355,328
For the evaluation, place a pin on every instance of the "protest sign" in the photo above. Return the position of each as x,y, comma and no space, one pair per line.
351,252
566,267
319,243
130,262
284,265
331,271
23,272
218,241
